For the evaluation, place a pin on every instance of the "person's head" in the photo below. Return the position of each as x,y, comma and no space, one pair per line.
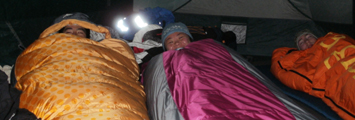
175,35
75,29
305,39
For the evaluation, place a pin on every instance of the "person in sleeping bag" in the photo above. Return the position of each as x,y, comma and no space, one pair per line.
80,31
322,67
75,29
176,36
206,80
76,74
305,39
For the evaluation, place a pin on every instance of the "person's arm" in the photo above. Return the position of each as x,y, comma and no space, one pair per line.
282,63
280,54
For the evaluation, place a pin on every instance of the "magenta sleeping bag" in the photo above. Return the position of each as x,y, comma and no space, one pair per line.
204,82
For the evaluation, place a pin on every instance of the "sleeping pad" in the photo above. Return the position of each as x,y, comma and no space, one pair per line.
63,76
326,70
205,81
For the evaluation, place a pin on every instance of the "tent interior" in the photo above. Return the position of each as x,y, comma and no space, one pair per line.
269,24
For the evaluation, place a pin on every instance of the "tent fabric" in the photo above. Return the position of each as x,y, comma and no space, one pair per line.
324,71
162,103
266,35
262,35
329,11
22,9
28,25
241,8
63,76
171,5
333,11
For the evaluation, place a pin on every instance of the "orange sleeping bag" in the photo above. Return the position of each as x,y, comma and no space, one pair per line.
326,70
63,76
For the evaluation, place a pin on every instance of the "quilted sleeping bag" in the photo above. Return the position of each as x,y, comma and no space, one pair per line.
63,76
207,81
326,70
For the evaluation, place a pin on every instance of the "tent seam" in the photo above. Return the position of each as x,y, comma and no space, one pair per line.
20,45
181,6
299,10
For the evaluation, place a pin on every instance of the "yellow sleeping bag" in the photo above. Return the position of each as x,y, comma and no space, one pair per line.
63,76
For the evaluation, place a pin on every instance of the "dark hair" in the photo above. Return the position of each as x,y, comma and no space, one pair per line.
87,32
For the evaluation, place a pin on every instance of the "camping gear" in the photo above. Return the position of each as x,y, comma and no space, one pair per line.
312,102
147,43
206,80
63,76
270,24
324,71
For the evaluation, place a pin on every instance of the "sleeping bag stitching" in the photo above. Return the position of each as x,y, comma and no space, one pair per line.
352,115
309,80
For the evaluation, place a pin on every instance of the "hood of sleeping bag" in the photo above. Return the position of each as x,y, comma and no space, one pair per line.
96,36
150,32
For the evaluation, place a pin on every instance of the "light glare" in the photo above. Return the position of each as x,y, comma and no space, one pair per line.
121,26
140,22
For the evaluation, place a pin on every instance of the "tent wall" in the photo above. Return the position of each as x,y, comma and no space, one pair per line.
281,9
27,31
167,4
263,35
8,45
334,11
270,23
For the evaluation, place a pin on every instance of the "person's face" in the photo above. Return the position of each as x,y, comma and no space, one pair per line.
306,41
75,30
176,40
